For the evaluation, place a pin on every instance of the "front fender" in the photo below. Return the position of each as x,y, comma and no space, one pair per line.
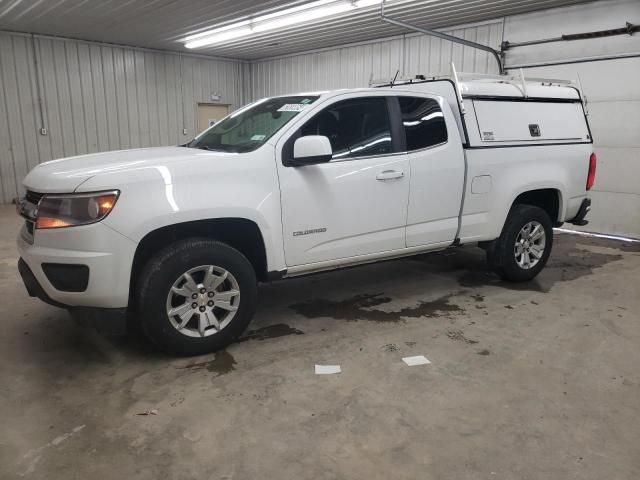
157,196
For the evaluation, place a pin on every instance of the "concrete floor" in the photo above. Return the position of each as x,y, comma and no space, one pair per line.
535,381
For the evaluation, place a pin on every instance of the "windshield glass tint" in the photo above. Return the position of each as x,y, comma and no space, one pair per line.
248,128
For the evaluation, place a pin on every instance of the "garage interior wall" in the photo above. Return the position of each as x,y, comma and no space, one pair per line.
609,70
102,97
98,97
354,66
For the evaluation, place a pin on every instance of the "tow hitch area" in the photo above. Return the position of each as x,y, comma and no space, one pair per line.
584,209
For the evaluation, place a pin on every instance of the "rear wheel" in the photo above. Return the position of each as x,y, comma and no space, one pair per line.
524,246
196,296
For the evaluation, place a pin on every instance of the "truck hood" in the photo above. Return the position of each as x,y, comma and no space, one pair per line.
67,174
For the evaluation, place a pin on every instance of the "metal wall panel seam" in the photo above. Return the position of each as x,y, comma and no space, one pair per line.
7,170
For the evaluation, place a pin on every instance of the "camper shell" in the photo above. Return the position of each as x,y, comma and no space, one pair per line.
502,110
518,135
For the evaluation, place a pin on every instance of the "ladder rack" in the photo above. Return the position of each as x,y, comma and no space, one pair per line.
517,80
469,76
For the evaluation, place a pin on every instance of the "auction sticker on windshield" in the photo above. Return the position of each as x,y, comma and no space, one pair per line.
291,107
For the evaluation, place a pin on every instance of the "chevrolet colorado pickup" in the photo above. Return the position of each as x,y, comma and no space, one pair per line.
289,185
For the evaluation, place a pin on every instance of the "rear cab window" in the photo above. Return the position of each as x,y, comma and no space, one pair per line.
423,122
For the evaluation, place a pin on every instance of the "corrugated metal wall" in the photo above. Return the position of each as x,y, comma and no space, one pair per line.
98,97
102,97
608,83
353,66
612,87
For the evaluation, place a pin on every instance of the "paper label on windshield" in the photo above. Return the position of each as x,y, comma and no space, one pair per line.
291,107
257,138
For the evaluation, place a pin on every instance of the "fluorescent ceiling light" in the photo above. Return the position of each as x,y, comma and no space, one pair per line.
217,30
302,17
367,3
219,37
272,21
289,11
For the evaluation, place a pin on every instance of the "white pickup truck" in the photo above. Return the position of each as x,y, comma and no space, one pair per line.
295,184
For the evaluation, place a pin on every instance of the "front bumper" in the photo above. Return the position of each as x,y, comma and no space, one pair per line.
34,289
107,255
106,320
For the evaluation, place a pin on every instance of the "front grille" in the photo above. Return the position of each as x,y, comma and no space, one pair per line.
33,197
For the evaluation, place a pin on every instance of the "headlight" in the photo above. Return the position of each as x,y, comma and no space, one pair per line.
59,211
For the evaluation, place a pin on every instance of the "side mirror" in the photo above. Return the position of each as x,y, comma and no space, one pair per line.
311,150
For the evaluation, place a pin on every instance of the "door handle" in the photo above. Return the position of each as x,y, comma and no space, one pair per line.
389,175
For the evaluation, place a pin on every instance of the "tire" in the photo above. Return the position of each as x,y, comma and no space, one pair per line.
185,267
503,255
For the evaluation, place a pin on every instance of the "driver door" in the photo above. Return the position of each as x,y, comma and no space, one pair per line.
355,204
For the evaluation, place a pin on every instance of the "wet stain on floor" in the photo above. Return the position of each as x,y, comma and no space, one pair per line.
270,331
481,278
459,336
623,246
361,307
222,364
570,259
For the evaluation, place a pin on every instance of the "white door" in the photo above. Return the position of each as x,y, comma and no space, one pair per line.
356,204
436,160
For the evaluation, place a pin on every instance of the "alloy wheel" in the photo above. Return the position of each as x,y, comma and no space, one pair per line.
203,301
530,245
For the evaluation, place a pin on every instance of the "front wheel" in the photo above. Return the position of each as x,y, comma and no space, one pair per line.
524,246
196,296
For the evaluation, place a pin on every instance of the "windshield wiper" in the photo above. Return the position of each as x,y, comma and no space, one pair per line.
208,148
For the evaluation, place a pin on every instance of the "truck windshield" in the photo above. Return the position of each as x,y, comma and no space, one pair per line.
248,128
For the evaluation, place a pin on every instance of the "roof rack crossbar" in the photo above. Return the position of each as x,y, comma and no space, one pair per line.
462,76
454,74
514,78
583,96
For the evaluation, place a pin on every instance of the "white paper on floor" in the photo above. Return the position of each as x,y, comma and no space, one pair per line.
417,360
327,369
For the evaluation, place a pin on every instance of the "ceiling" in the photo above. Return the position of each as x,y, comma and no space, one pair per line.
163,24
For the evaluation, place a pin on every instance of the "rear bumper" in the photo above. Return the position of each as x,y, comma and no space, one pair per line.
585,208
